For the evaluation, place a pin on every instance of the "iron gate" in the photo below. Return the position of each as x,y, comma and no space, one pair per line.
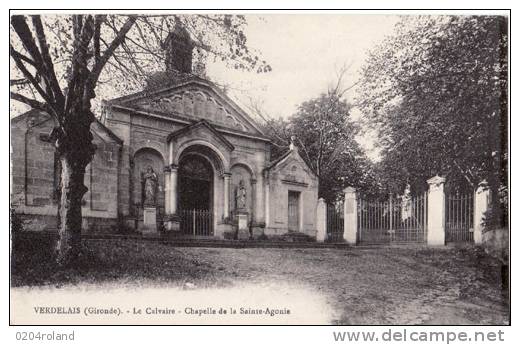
402,219
335,221
459,217
196,222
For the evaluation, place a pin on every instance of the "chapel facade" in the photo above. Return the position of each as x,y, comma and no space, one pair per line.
178,157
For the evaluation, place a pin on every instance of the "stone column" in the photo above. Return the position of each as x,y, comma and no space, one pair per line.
350,226
173,223
167,199
481,200
170,152
173,189
321,220
227,177
253,201
267,203
260,194
436,211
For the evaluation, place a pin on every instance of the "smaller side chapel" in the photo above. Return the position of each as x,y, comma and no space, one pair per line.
179,157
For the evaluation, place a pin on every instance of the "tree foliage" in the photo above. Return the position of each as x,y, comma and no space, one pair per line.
325,136
436,91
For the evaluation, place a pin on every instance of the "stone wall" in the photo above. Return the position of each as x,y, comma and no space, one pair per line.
496,243
34,175
252,156
139,133
32,161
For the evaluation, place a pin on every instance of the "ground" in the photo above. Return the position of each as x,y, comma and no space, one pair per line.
369,285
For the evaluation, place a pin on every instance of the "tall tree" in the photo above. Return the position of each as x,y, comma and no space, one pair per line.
326,137
436,90
60,62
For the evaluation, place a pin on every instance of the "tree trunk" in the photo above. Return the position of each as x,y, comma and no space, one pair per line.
70,217
75,149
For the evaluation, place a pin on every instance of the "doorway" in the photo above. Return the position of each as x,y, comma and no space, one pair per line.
196,196
293,211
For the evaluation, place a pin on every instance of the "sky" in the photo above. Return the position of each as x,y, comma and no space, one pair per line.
305,53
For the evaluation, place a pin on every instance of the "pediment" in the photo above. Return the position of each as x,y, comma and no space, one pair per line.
195,100
291,166
201,129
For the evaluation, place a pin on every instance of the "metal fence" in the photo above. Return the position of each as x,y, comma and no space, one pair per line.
196,222
459,217
335,222
398,219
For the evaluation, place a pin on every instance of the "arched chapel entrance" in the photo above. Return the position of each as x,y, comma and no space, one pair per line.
196,178
198,188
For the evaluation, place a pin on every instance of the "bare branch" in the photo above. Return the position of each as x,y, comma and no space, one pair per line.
98,67
255,108
307,155
21,81
97,34
23,58
26,38
14,54
158,57
50,74
147,22
29,101
83,32
338,89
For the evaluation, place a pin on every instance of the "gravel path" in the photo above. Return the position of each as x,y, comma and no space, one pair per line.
378,285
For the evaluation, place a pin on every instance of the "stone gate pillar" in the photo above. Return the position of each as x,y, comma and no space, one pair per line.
350,225
436,211
321,220
481,200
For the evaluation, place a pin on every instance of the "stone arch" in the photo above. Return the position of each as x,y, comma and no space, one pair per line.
242,172
193,151
247,167
154,145
144,157
218,159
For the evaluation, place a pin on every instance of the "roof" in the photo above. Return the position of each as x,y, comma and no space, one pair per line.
111,134
104,128
288,153
279,159
178,80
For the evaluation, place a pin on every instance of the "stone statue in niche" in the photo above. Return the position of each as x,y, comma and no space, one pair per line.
240,196
150,182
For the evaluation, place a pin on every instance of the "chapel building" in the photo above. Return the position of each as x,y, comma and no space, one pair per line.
178,157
